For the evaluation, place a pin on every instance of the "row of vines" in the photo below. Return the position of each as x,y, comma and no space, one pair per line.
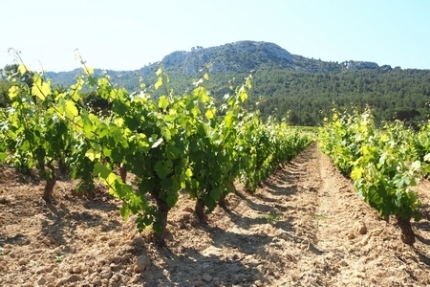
383,163
171,144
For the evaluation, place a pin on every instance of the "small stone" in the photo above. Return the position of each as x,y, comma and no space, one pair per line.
105,274
57,251
362,229
76,269
142,263
46,241
206,277
351,235
113,243
401,268
343,263
22,262
74,278
377,232
198,283
41,281
96,280
113,266
188,209
48,269
115,278
4,200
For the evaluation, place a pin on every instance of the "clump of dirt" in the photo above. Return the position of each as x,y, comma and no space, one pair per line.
304,227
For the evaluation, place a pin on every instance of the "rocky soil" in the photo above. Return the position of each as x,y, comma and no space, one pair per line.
304,227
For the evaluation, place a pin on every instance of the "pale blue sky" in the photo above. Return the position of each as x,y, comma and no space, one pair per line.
126,34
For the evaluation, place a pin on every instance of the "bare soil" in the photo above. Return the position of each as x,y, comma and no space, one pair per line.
304,227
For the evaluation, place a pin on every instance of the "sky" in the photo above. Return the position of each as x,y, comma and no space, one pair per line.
129,34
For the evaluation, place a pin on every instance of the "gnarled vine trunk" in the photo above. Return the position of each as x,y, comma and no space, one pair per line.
62,167
408,235
160,224
222,201
200,210
50,183
123,173
49,189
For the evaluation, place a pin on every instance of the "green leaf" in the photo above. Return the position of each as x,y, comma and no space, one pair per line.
22,69
102,170
40,89
159,83
120,189
189,173
356,173
14,92
163,102
210,114
163,168
228,120
71,110
243,96
142,142
89,71
202,94
125,211
92,155
118,135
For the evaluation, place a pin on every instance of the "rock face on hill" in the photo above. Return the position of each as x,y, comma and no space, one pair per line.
359,65
234,57
244,56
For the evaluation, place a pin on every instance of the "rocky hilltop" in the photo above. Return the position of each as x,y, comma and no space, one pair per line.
233,57
243,56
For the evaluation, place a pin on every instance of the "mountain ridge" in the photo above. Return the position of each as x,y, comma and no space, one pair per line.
235,57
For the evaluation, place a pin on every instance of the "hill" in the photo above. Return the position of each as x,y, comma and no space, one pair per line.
237,57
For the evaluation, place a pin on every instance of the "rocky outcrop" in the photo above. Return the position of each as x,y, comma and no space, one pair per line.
359,65
234,57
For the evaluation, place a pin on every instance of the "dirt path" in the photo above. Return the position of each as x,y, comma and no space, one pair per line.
304,227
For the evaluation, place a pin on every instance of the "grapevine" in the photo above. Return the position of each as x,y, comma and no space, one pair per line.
380,163
170,143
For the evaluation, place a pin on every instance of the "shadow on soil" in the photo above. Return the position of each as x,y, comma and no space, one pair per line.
229,270
222,272
18,239
61,222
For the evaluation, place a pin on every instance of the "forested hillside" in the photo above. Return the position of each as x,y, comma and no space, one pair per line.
294,87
